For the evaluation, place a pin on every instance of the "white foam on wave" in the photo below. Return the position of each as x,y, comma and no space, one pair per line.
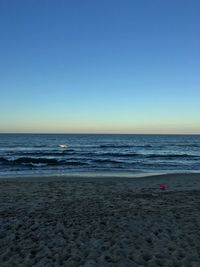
38,164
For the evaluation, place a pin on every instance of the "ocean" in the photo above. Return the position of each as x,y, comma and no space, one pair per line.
98,154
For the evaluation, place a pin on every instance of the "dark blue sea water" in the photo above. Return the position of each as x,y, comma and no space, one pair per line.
22,154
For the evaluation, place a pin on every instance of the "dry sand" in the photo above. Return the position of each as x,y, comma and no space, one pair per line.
100,222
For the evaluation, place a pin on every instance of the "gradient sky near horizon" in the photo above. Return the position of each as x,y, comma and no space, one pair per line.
107,66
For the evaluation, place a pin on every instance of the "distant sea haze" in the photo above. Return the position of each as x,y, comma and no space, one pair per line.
124,155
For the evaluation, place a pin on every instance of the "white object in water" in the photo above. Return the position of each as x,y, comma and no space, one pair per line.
63,146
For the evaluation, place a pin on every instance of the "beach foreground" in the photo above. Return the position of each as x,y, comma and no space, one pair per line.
100,222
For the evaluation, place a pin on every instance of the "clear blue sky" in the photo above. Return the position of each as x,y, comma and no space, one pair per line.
127,66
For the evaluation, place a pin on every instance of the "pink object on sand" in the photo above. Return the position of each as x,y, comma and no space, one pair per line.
163,186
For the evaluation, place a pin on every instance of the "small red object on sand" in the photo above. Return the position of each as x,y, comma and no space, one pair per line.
163,186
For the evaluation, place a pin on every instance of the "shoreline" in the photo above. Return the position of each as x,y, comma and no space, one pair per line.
174,181
100,175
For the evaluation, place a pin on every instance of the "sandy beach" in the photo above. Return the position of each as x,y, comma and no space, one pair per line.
92,222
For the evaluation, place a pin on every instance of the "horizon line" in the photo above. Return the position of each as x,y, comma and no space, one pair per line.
89,133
